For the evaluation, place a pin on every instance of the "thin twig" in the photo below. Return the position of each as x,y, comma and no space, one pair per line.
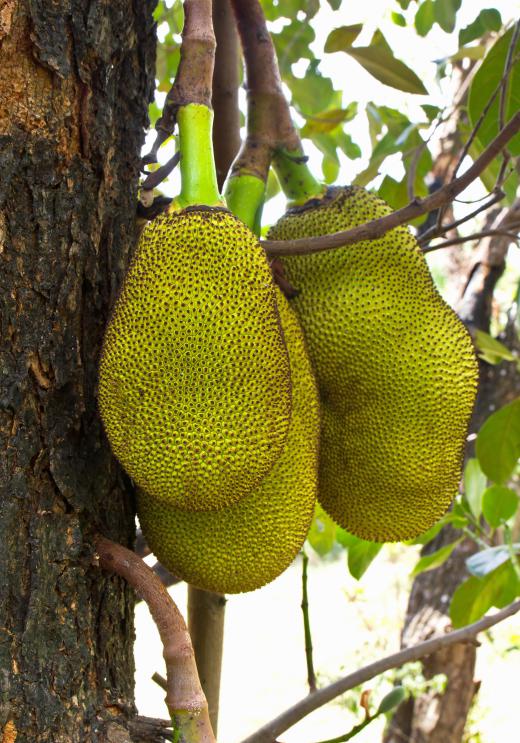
270,732
479,122
160,681
153,179
415,208
505,79
469,238
434,232
311,676
184,696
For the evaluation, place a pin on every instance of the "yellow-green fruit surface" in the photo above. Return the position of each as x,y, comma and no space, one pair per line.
194,385
248,544
396,371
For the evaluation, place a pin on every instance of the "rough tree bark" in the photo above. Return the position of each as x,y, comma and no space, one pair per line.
75,80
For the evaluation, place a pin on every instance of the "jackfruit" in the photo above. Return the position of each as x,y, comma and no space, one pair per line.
194,386
245,545
395,367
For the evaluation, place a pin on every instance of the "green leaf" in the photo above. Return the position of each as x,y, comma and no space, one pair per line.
425,17
488,19
431,111
492,350
469,602
348,146
485,561
334,4
484,83
340,39
328,120
398,18
330,168
292,44
430,562
322,532
474,486
311,94
475,596
498,504
498,443
378,59
392,700
450,518
445,13
360,552
404,3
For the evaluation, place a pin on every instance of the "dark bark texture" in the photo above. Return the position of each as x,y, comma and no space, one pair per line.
75,80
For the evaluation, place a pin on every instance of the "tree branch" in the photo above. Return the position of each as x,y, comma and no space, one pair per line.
226,125
184,696
193,81
436,231
269,124
269,732
415,208
469,238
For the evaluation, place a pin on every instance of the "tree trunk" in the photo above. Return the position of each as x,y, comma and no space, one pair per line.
75,80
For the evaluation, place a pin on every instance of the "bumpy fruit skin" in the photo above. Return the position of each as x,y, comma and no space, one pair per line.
396,371
194,385
248,544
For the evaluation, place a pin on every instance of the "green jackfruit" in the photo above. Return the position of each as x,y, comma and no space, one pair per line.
248,544
194,386
396,371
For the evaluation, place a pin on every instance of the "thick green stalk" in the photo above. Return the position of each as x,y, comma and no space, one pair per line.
198,174
245,196
297,181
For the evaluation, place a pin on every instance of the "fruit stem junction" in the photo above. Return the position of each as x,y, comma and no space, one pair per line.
198,173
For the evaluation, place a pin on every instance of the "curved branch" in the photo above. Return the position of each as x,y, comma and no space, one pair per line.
415,208
270,732
184,696
269,124
470,238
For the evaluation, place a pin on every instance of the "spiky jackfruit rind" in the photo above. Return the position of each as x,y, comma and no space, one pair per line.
396,371
194,386
248,544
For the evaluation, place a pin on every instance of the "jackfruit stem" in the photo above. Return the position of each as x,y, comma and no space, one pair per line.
245,194
270,130
297,182
198,173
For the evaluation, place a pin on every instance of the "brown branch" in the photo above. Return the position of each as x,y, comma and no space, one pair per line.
469,238
150,730
416,208
475,305
269,732
226,125
437,231
193,81
184,696
269,119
